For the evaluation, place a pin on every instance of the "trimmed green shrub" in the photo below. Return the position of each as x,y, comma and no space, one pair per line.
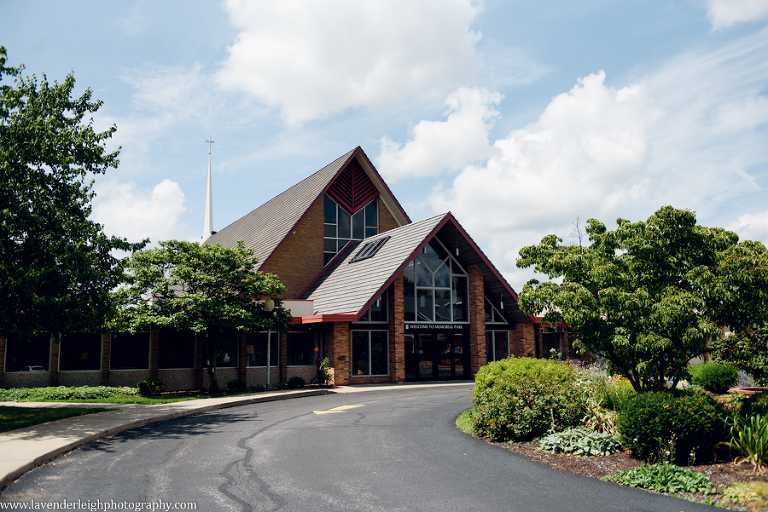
579,441
675,426
296,382
522,398
236,385
714,377
150,387
279,385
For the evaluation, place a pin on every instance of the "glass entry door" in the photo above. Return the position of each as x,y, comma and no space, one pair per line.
436,356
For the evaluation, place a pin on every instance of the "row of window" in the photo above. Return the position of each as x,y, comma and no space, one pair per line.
176,350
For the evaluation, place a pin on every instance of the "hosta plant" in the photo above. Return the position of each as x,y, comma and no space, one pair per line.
663,478
579,441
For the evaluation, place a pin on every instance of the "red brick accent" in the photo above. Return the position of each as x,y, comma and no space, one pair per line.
342,353
283,357
523,340
106,350
299,260
55,344
386,220
396,305
477,343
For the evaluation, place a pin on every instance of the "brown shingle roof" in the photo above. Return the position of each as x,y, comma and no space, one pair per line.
265,228
351,287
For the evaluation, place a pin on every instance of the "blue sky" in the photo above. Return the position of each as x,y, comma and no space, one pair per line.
519,117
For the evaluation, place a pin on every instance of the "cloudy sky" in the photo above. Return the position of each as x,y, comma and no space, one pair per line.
519,117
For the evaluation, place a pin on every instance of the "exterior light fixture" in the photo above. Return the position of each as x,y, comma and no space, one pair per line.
501,301
457,248
269,304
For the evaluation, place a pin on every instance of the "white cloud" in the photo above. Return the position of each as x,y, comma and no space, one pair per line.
724,13
314,59
437,146
582,156
135,214
751,226
690,134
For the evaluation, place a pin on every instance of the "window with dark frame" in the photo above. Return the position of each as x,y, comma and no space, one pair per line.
339,227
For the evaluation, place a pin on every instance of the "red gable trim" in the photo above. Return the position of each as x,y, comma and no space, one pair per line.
448,218
352,188
359,152
314,319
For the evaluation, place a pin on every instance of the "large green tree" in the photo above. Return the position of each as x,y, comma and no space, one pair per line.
57,266
649,296
208,289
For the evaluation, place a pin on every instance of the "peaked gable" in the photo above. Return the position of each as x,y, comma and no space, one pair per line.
351,177
348,288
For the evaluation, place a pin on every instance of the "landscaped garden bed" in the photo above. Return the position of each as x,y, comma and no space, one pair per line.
682,442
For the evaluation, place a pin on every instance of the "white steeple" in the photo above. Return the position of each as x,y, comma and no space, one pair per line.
208,220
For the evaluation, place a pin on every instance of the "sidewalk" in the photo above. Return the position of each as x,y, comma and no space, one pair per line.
25,448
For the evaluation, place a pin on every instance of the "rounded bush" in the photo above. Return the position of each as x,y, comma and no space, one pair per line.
522,398
296,382
666,425
236,385
150,387
714,377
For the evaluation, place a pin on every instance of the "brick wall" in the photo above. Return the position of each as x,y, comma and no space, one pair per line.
386,220
55,344
299,260
523,340
477,343
396,331
342,353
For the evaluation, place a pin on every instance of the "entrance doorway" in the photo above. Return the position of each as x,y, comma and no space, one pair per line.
436,355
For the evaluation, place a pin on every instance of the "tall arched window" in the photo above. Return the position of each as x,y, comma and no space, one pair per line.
340,227
435,287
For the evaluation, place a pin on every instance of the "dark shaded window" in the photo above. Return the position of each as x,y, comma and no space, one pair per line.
129,351
377,312
497,345
177,349
227,345
370,351
301,349
21,351
80,352
256,348
340,227
435,287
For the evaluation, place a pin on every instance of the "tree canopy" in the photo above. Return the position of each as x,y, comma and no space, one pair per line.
57,267
649,296
207,289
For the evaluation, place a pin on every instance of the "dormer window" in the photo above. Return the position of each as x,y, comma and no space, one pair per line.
340,227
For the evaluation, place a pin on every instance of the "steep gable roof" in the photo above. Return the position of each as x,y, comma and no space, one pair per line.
266,227
346,289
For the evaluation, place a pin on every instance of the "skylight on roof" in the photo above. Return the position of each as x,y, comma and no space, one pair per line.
369,249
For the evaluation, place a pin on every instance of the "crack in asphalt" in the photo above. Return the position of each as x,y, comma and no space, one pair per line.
240,475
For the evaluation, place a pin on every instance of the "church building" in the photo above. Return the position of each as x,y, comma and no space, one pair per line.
385,299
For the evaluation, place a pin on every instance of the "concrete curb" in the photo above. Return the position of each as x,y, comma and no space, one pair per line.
61,436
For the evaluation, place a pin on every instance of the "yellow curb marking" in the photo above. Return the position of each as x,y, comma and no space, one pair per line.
340,409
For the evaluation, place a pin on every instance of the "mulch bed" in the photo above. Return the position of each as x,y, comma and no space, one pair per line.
721,473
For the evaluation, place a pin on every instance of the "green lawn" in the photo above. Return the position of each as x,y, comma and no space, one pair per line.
18,417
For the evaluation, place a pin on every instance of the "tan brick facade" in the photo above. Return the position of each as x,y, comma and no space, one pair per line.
477,342
299,260
396,331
